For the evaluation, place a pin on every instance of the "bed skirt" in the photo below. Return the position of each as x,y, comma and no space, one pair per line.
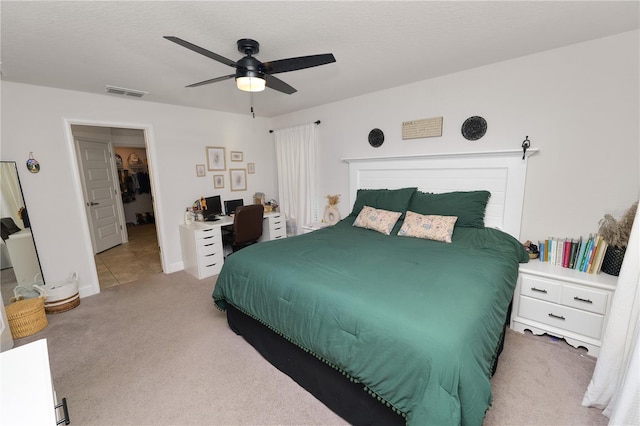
345,398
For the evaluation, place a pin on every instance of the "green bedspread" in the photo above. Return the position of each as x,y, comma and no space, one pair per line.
417,322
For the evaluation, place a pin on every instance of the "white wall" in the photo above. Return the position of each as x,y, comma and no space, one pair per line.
37,119
579,106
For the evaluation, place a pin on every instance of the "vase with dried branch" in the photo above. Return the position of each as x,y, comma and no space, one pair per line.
616,233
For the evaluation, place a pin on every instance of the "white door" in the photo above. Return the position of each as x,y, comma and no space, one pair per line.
100,193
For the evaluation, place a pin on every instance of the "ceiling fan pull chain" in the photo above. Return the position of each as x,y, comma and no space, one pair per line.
252,112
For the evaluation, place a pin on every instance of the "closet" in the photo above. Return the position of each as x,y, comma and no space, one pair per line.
135,186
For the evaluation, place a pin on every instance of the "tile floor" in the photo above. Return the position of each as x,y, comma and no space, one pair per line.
138,258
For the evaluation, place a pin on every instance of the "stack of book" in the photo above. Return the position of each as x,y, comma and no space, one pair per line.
583,255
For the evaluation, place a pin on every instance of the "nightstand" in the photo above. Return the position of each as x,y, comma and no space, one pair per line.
564,303
310,227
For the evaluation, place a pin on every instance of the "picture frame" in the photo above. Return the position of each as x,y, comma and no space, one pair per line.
216,158
251,168
218,181
200,170
238,179
236,155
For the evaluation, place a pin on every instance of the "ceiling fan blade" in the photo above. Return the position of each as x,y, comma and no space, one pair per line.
213,80
301,62
279,85
201,51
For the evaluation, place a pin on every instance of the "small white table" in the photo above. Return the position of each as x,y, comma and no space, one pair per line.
314,226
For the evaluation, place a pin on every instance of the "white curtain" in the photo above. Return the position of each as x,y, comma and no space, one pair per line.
296,160
615,385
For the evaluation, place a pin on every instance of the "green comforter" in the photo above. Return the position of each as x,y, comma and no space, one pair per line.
417,322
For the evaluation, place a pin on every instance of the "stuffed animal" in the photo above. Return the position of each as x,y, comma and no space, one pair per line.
331,213
333,199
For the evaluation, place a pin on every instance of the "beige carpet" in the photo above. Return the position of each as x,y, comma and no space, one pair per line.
157,352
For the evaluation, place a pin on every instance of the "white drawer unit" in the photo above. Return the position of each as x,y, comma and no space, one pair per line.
27,395
564,303
274,227
202,250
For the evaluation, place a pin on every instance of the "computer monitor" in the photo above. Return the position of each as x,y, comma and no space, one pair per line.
214,206
230,205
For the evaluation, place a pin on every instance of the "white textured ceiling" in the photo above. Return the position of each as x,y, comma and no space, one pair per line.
86,45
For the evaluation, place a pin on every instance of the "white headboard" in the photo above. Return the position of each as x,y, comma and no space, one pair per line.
503,173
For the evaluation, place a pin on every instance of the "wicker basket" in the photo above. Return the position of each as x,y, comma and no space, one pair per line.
61,297
26,317
63,305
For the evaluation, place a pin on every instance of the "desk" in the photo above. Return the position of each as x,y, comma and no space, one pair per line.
202,248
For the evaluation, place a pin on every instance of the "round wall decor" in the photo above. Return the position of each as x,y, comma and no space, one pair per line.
474,128
376,137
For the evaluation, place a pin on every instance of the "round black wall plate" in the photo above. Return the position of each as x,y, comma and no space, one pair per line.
376,138
474,128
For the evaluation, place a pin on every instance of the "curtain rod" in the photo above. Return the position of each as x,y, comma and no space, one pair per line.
315,122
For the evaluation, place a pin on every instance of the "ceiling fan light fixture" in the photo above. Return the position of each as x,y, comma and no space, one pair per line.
251,84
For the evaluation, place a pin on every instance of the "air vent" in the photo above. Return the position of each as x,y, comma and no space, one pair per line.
125,92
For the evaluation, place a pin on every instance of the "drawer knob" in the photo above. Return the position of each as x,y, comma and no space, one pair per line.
557,316
580,299
538,290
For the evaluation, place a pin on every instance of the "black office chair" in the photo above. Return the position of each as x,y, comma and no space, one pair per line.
246,228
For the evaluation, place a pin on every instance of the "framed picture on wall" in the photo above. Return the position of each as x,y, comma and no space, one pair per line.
251,168
236,155
200,170
238,179
218,181
216,158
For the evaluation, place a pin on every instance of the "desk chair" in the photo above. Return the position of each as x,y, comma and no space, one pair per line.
246,228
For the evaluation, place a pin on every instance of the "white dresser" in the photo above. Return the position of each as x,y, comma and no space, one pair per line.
274,227
202,247
27,396
564,303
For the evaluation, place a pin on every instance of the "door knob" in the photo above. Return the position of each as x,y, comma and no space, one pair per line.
92,204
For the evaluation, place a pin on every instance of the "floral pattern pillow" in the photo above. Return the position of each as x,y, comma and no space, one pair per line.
438,228
377,220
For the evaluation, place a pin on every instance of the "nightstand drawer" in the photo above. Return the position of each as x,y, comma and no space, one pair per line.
540,288
566,318
583,298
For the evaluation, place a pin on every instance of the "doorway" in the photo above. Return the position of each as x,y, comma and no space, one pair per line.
137,255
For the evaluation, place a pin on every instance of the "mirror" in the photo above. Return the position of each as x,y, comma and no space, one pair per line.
18,256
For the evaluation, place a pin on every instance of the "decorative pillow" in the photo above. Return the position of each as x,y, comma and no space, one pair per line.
469,206
377,220
395,200
439,228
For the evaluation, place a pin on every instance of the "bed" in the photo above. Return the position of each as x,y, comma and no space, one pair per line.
387,328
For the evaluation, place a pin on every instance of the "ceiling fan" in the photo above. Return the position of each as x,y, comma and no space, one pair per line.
252,75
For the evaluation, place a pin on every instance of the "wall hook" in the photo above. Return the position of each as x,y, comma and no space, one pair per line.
32,164
526,143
